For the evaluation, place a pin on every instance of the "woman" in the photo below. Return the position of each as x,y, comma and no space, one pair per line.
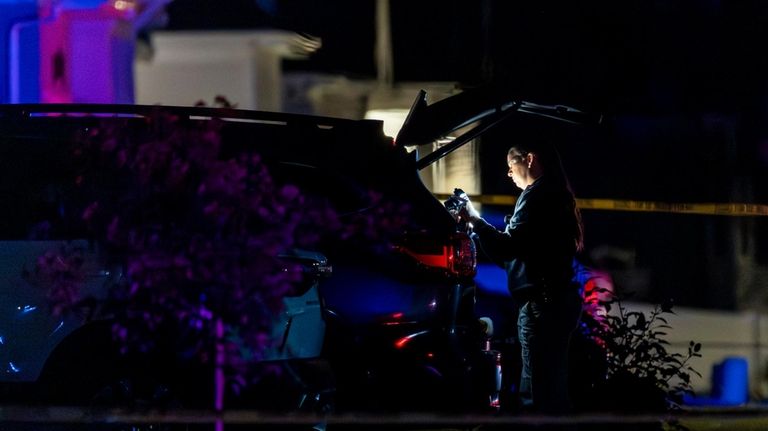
537,249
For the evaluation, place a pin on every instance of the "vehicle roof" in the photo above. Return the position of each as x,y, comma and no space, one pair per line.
332,150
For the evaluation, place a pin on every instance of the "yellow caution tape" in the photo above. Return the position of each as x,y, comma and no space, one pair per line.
726,209
729,209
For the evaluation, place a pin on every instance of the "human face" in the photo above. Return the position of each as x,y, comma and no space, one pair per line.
519,170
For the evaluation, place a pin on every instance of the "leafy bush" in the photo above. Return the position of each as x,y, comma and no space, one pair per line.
639,373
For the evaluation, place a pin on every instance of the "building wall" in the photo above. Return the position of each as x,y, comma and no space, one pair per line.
722,334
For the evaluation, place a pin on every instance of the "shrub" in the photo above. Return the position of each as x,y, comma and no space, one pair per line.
638,372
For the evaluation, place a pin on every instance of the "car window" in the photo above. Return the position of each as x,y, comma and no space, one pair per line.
36,191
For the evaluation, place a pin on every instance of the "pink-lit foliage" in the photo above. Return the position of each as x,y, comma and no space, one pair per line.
198,237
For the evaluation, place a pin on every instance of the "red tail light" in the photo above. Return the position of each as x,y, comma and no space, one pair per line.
463,257
458,257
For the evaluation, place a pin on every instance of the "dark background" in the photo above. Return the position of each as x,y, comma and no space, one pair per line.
682,86
637,55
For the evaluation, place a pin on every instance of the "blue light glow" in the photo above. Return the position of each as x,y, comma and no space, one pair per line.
378,297
61,324
17,2
491,279
19,44
81,4
12,368
27,309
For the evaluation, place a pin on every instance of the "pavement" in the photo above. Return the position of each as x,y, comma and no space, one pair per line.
22,418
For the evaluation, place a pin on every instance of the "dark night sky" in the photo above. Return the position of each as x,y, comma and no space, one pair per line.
687,55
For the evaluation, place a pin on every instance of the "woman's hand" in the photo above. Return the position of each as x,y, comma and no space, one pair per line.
468,212
471,212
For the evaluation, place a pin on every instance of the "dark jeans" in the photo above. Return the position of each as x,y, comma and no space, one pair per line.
544,329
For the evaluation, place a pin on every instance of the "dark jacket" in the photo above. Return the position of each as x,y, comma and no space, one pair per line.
538,245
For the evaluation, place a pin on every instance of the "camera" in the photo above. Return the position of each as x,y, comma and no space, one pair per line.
457,201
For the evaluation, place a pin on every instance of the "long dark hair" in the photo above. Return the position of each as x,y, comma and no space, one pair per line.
552,165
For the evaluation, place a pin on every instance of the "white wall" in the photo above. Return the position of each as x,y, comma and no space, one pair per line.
721,334
189,66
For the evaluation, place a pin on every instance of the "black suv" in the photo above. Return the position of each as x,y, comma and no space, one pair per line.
396,325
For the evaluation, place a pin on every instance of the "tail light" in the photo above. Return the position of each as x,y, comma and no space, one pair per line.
463,258
458,257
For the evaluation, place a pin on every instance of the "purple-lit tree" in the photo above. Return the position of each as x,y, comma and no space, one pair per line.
197,236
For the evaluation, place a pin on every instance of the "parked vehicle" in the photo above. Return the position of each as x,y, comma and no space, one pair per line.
397,325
